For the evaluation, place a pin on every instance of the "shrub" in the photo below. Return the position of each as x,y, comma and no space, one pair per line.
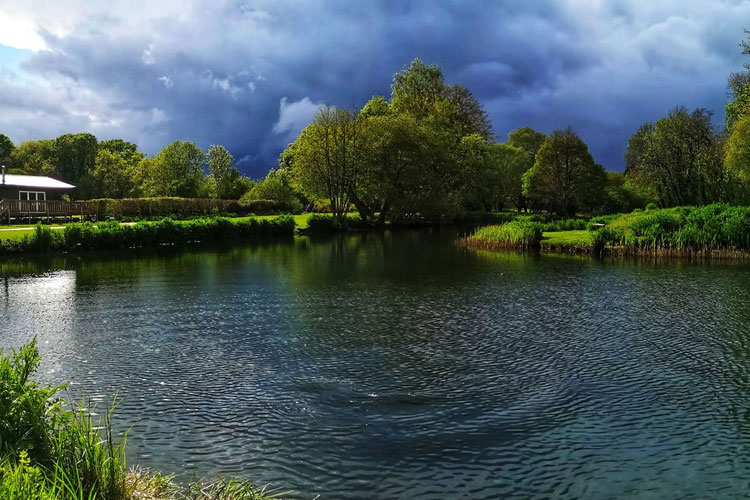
321,224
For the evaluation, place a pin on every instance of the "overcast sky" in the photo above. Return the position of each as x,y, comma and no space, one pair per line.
250,74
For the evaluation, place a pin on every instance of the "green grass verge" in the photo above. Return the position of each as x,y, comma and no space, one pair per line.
570,239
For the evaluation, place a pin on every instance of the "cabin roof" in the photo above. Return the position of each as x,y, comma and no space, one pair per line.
34,181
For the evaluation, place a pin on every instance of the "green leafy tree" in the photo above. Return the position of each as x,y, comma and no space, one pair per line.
377,106
468,113
622,196
34,158
113,175
176,171
527,139
680,158
224,178
6,150
276,186
739,88
75,159
564,177
325,158
417,88
737,159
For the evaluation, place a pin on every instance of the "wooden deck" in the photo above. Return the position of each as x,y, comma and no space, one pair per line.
25,211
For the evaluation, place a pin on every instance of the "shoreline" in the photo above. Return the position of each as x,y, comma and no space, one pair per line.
619,252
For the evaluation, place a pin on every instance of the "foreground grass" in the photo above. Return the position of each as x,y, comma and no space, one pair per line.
50,453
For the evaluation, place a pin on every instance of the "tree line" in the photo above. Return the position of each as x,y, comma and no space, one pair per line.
430,152
116,169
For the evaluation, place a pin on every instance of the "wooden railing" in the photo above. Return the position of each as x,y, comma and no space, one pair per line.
52,208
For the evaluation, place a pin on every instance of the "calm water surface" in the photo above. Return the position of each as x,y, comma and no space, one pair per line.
399,366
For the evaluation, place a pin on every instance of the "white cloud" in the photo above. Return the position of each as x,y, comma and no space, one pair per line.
295,116
20,33
147,56
168,83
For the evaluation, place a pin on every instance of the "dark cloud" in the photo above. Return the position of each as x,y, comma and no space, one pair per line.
249,75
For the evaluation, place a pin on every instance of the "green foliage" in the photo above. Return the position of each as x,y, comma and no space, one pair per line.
324,158
225,180
321,224
737,158
516,234
113,235
50,453
377,106
182,208
6,150
75,159
564,178
276,186
113,175
176,171
680,159
417,88
527,139
686,229
22,481
34,158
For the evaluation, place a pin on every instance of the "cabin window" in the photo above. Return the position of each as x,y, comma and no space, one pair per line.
32,195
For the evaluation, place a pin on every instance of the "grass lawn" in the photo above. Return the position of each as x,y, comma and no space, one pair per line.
17,234
567,238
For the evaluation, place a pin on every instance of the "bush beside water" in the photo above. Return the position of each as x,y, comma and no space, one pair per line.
113,235
48,452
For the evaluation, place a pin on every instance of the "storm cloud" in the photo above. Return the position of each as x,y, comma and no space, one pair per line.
250,75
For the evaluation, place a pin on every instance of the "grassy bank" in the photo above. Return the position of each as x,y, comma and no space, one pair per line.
713,231
113,235
522,235
48,452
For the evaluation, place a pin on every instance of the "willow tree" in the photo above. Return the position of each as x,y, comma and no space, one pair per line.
325,158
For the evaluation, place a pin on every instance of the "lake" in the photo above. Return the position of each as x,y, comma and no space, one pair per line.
398,365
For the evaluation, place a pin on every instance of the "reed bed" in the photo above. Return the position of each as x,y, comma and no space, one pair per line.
713,231
522,235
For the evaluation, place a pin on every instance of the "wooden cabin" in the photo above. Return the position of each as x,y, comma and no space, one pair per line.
26,198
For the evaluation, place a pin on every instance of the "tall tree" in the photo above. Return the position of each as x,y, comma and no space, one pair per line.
34,158
6,150
113,175
176,171
564,177
325,158
417,88
222,175
680,157
75,159
468,112
527,139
